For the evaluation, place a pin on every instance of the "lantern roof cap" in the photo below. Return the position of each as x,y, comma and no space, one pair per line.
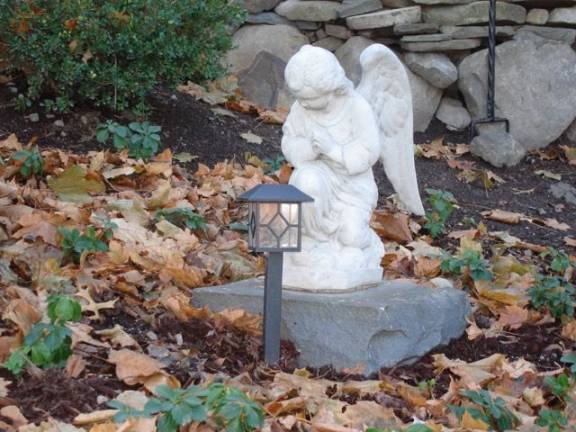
275,193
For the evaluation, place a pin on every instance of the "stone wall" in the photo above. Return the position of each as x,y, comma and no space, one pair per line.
442,43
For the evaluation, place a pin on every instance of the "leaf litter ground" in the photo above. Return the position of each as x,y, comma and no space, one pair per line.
152,316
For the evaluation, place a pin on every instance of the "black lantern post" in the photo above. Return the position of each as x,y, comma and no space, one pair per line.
275,227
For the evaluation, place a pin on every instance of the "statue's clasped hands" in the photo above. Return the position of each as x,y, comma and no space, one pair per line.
322,141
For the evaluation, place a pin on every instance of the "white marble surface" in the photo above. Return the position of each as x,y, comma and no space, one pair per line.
333,136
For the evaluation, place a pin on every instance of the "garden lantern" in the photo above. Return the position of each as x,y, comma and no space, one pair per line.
275,227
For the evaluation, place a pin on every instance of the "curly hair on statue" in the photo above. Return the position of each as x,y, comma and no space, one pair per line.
314,68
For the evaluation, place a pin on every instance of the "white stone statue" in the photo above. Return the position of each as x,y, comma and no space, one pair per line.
333,136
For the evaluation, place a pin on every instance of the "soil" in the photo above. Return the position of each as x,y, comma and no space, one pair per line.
192,126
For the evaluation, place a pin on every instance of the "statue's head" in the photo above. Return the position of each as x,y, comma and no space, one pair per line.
314,76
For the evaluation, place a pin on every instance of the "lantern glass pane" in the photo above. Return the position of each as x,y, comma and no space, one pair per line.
290,238
290,213
267,212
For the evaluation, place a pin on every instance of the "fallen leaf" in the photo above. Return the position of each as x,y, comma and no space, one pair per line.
548,174
570,153
132,367
36,225
393,226
73,185
185,157
553,223
11,143
4,387
89,305
15,416
503,216
251,138
75,365
118,337
569,241
224,112
569,330
470,423
117,172
513,317
23,314
534,396
242,320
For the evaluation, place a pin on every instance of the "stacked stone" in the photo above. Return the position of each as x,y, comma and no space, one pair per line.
442,43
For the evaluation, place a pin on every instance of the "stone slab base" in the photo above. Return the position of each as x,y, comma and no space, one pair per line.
394,322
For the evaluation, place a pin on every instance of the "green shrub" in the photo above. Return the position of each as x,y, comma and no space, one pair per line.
112,53
31,160
554,294
442,203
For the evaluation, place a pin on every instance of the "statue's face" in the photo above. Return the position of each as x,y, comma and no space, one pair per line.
313,100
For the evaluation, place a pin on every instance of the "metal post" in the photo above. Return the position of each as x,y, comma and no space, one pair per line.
491,60
272,307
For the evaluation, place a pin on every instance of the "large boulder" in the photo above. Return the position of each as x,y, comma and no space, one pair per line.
437,69
425,101
280,40
257,6
563,16
452,113
385,18
308,10
349,56
425,97
263,82
473,13
535,88
498,148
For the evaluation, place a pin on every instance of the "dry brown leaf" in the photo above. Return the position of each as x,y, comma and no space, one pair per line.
36,225
15,416
104,427
570,153
242,320
89,305
23,314
569,330
427,267
534,396
94,417
132,367
470,423
11,143
118,337
366,414
553,223
513,317
569,241
392,226
503,216
75,365
475,374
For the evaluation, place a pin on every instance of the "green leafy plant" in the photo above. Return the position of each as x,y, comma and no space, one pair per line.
471,261
228,407
32,161
428,386
555,420
559,385
181,217
112,53
74,243
141,139
493,412
47,344
559,260
554,294
442,203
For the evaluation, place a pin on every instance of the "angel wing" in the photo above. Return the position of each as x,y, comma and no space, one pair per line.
386,87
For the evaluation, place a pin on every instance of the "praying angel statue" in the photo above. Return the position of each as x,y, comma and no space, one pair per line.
333,136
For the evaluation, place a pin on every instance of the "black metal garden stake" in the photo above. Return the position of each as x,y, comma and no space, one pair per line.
491,96
275,227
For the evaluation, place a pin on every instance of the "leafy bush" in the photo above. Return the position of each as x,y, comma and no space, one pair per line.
442,203
228,407
555,420
112,53
48,345
141,139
